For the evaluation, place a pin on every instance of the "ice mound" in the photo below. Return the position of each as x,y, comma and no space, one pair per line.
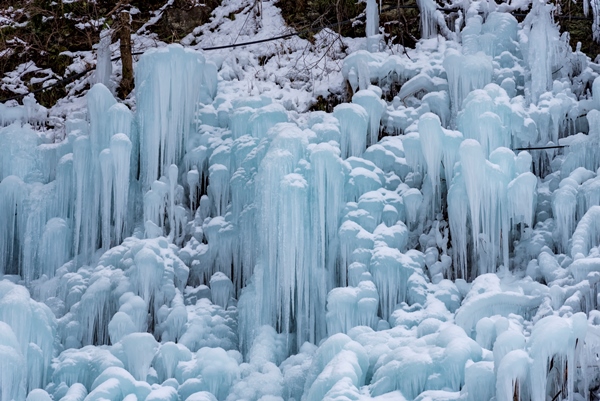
27,342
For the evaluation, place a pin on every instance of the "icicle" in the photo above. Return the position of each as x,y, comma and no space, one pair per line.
458,211
427,10
12,197
375,108
294,242
221,289
100,101
122,122
84,197
282,201
564,205
353,120
154,208
65,193
348,307
465,74
542,37
193,178
55,246
555,339
451,144
19,155
327,184
166,121
480,380
31,347
474,173
106,167
586,233
121,119
522,198
103,59
412,199
173,174
239,121
120,149
219,187
512,376
137,351
265,118
391,270
372,30
432,141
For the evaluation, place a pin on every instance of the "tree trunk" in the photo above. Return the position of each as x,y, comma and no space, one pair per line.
126,58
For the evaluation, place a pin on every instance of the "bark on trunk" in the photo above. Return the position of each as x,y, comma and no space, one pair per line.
126,58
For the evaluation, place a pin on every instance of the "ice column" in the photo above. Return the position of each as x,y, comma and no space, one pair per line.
65,196
465,74
120,149
522,198
328,181
107,181
354,121
84,184
372,30
432,137
55,246
327,200
512,375
221,289
293,269
540,47
104,62
291,278
12,195
458,212
219,187
169,84
375,107
558,340
427,9
193,178
474,172
100,101
276,164
93,175
121,119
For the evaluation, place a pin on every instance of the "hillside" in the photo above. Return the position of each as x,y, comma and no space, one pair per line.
42,42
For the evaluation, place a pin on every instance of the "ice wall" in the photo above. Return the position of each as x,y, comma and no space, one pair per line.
218,245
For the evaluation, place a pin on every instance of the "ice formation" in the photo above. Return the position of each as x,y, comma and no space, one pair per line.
372,30
219,244
104,67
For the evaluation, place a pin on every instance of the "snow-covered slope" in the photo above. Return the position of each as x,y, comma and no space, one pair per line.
212,238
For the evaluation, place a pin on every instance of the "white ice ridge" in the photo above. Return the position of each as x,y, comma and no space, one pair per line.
211,239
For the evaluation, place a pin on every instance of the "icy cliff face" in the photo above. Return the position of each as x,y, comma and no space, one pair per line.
218,245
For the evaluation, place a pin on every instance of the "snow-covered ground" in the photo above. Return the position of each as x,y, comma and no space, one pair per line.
212,238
